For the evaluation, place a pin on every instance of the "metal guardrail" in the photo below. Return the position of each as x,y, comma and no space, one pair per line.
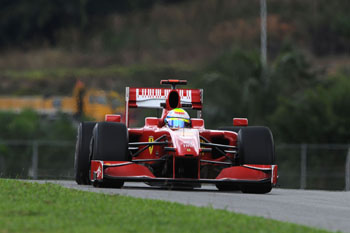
304,154
302,148
35,144
347,171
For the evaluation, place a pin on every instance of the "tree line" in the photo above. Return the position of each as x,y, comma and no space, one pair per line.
32,23
299,104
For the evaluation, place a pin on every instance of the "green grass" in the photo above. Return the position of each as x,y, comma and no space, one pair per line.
32,207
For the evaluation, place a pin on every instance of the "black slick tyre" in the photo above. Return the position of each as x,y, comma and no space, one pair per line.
227,187
256,146
108,184
257,188
82,153
110,143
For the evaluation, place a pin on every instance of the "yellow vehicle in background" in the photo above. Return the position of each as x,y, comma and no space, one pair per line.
89,102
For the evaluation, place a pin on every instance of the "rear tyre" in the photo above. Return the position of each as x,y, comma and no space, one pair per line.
110,143
82,152
256,146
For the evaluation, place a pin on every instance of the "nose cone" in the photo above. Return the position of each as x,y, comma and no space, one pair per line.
186,142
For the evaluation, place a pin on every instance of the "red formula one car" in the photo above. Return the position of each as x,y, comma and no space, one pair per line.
174,150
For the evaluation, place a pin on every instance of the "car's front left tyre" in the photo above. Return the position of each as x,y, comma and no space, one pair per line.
256,146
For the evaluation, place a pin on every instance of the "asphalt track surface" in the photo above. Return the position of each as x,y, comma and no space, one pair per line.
320,209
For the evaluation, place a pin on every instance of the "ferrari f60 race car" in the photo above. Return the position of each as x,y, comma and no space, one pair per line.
110,153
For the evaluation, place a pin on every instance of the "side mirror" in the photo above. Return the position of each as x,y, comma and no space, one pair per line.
112,118
197,123
240,122
151,121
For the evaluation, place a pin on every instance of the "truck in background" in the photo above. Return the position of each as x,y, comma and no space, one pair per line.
92,103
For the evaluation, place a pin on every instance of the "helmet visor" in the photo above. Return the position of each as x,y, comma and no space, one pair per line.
178,123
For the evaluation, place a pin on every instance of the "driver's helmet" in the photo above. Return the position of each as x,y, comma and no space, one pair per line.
178,118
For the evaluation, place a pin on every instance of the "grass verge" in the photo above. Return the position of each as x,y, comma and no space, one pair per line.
32,207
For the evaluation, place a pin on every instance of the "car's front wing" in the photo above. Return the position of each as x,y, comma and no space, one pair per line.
130,171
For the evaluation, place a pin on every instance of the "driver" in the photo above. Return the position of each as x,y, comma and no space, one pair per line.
178,118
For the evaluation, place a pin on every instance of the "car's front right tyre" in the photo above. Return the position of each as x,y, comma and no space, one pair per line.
82,153
110,143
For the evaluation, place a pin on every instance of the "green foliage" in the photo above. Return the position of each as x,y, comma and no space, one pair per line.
236,87
291,72
232,83
320,25
25,125
319,115
29,125
60,82
143,26
32,207
296,103
23,23
19,126
61,128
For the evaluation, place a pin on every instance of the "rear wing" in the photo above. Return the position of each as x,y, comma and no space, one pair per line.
156,98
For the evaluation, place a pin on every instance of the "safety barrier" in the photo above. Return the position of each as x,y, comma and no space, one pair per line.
304,166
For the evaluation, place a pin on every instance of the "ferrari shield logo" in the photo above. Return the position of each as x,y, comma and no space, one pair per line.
99,172
150,139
